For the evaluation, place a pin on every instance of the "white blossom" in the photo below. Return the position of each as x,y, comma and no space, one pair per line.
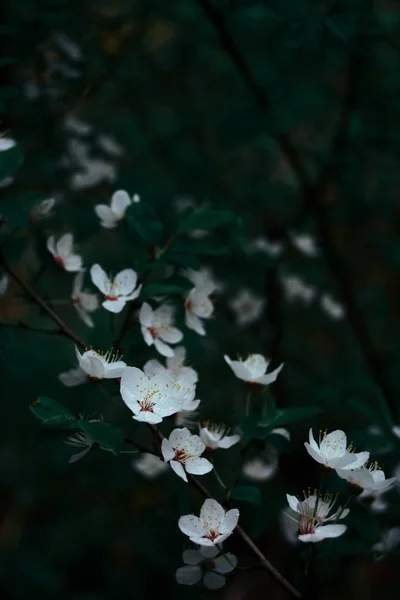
149,466
62,250
77,126
118,291
150,398
247,307
332,451
6,143
260,469
390,539
182,450
109,145
332,308
42,209
370,478
101,365
198,306
253,369
311,515
263,244
157,328
213,526
4,281
84,301
111,215
204,563
73,377
203,279
304,243
216,436
295,288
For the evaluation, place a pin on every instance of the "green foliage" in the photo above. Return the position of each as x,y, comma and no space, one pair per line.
53,414
108,437
246,493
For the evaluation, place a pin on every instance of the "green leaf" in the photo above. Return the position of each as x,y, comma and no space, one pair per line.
247,493
53,414
207,219
10,160
107,436
252,430
290,415
17,210
142,218
173,285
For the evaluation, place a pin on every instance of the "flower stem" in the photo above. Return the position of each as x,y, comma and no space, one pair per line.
248,403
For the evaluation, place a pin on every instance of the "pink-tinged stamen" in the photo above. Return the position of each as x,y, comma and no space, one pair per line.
111,298
146,405
59,260
153,332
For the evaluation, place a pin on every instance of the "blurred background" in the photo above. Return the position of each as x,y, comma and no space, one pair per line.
285,113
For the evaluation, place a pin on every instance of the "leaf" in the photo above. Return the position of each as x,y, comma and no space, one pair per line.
290,415
107,436
207,219
251,429
173,285
10,160
142,218
247,493
17,210
53,414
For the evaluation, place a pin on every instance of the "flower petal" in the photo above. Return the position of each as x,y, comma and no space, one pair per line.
108,219
270,377
51,244
191,526
64,245
167,450
228,441
225,563
198,466
213,581
120,201
293,502
100,279
192,557
230,521
213,513
125,282
114,306
188,575
172,335
162,348
73,263
146,315
179,470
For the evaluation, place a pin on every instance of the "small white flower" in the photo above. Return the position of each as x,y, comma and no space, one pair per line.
6,144
289,526
390,539
265,245
259,469
182,450
149,398
42,209
304,243
62,250
175,368
332,451
149,466
213,526
205,563
111,215
157,328
73,377
109,145
295,288
4,284
369,478
80,440
253,369
247,307
84,302
76,126
332,308
198,306
215,436
117,292
311,514
203,279
100,365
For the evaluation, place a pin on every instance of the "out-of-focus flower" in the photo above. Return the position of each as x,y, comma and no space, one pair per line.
263,244
311,514
62,250
117,291
73,377
259,469
205,563
84,301
111,215
182,450
75,125
149,466
98,365
6,144
216,436
213,526
253,369
42,209
304,243
149,398
332,308
247,307
198,306
203,279
157,328
332,451
390,539
4,284
109,145
370,478
294,288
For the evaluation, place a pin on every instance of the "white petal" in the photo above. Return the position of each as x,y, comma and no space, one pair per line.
213,581
167,450
125,282
239,369
194,323
171,335
270,377
114,306
64,245
312,441
162,348
228,441
192,557
313,453
114,369
179,470
230,521
226,563
191,526
293,502
213,513
78,283
152,367
146,315
119,203
51,244
147,417
198,466
108,219
100,279
179,437
73,263
188,575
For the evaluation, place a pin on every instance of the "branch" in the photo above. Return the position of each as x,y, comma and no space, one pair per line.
21,325
40,302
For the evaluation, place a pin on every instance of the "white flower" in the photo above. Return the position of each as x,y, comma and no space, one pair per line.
247,307
149,466
111,215
63,252
215,436
187,418
259,469
373,501
333,451
100,365
73,377
205,563
84,302
304,243
182,450
6,144
370,478
203,279
213,526
117,292
42,209
389,540
80,440
157,328
149,398
331,308
4,284
265,245
312,513
77,126
109,145
198,306
253,369
175,368
289,525
295,288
